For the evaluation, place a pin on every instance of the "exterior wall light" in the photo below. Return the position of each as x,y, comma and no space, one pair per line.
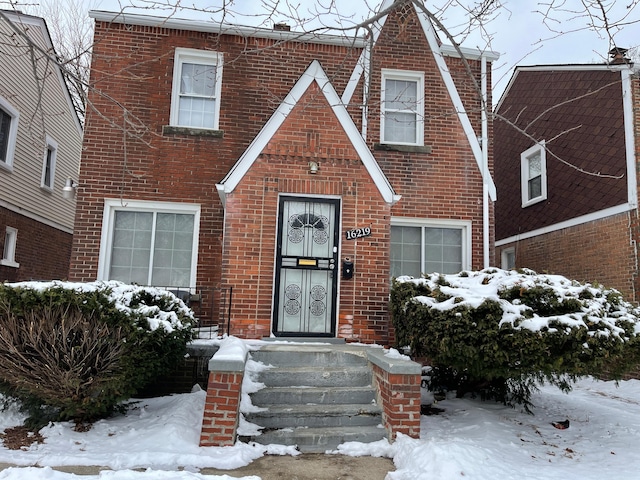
313,167
69,189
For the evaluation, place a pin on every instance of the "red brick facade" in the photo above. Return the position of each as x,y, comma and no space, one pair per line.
42,252
237,242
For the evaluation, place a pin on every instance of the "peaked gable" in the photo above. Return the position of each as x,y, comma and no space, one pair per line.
26,26
439,52
314,73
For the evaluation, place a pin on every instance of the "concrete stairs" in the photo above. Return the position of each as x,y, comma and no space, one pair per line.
315,396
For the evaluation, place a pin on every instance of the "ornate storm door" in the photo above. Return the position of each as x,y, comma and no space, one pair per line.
306,267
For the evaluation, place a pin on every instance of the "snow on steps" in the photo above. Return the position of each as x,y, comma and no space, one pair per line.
315,397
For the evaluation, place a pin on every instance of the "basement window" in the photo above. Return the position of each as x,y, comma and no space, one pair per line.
9,249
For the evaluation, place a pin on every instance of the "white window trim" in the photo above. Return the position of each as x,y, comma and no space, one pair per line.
504,257
13,133
524,174
113,205
409,76
202,57
50,144
10,243
465,226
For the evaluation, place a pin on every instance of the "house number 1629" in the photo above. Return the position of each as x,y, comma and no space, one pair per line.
358,233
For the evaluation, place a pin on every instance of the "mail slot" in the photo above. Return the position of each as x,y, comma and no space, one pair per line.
307,262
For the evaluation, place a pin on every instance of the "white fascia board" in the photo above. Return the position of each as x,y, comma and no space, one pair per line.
34,216
430,33
591,217
226,29
362,65
630,146
314,73
470,53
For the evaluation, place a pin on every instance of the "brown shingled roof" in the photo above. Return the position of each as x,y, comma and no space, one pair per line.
579,113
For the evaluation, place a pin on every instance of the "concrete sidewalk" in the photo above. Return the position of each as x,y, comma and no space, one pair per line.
285,467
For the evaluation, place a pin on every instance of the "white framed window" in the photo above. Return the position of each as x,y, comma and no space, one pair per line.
422,246
149,243
197,83
533,174
508,258
9,118
49,164
402,102
9,249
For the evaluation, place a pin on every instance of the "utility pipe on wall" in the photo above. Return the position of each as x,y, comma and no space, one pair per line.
485,162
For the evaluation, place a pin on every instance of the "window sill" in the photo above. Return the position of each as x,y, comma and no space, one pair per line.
533,202
197,132
389,147
8,263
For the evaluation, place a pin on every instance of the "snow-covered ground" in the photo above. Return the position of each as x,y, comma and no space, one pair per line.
470,439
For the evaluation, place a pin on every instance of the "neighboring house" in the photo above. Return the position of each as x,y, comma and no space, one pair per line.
40,146
302,171
566,162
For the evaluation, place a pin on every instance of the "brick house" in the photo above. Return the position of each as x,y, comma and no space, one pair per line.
40,144
568,185
301,171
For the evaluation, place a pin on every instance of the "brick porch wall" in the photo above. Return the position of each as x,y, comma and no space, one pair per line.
222,405
398,383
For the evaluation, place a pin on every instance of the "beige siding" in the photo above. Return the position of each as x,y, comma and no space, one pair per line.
45,110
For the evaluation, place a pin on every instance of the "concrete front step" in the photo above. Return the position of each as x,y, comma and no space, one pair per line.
315,397
319,440
318,356
310,395
285,416
316,376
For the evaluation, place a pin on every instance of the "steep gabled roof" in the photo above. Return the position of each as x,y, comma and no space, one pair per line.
314,73
584,114
439,52
21,23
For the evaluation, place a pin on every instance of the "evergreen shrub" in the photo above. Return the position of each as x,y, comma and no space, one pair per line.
501,333
75,351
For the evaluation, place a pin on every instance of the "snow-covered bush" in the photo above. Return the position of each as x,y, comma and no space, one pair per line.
76,350
499,333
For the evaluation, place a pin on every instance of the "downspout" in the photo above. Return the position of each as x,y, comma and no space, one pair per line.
485,162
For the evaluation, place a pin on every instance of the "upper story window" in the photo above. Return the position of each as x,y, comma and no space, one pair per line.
197,81
402,99
533,173
8,132
49,165
422,246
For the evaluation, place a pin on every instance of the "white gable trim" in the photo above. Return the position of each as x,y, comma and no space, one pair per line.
438,52
430,33
314,73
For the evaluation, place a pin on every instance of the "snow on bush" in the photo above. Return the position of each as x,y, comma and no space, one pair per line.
498,332
76,350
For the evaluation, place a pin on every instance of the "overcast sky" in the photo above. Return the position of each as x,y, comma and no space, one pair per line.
520,33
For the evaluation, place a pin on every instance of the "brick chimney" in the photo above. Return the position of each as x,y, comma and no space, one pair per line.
618,56
281,26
